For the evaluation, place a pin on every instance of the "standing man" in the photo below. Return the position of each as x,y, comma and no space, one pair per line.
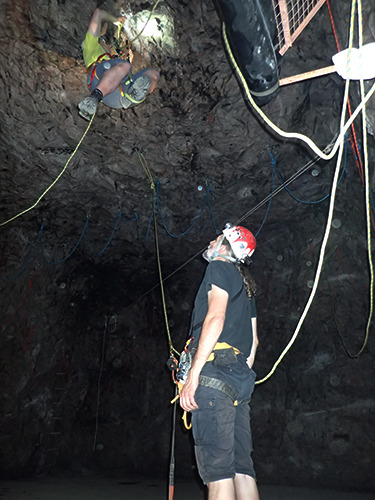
109,75
220,381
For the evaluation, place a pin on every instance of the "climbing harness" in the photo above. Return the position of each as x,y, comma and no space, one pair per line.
222,354
129,82
92,67
127,99
184,364
116,46
117,53
221,386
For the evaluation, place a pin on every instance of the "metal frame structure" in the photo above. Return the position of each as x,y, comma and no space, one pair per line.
292,16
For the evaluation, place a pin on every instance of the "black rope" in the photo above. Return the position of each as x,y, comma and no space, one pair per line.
172,462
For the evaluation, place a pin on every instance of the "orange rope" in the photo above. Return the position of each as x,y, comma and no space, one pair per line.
354,146
353,138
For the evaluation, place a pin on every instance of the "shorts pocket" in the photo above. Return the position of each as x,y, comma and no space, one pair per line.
205,423
224,357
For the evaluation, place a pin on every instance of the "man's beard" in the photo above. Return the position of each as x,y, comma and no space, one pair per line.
206,256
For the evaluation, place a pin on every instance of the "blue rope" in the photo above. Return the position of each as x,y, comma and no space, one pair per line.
71,253
192,225
108,242
156,203
327,195
372,203
18,273
136,224
150,219
356,158
39,239
273,164
354,152
212,216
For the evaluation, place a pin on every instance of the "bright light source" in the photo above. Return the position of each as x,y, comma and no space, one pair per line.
148,28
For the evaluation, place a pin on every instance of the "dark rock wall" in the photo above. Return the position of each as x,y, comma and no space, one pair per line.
84,384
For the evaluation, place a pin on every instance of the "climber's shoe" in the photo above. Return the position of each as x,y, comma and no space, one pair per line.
88,106
137,92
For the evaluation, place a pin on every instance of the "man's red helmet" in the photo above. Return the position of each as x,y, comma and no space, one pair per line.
241,240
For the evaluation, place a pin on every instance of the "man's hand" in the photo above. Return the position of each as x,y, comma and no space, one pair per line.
119,21
97,20
211,330
187,401
250,359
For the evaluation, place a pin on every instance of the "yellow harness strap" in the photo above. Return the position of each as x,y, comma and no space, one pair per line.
222,345
128,81
131,99
219,345
184,416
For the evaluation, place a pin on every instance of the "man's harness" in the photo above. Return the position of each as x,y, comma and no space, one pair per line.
223,354
119,55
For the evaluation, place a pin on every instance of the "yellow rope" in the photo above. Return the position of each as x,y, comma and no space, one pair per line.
367,196
340,143
184,418
319,267
296,135
152,185
119,28
148,19
57,178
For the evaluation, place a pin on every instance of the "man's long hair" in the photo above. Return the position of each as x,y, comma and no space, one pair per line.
247,279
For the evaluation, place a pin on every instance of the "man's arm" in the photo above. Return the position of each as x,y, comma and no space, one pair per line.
211,330
251,358
98,18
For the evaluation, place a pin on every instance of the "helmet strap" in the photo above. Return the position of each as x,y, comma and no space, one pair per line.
230,259
216,253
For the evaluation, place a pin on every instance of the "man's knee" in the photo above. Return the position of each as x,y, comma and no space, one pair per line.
221,490
154,76
123,68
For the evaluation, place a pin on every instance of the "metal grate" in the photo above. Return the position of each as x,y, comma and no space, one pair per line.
292,16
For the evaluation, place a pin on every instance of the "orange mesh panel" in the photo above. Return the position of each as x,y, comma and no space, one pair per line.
292,16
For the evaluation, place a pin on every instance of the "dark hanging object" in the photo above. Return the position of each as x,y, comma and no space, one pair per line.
251,30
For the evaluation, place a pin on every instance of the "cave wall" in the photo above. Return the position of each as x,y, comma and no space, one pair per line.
85,385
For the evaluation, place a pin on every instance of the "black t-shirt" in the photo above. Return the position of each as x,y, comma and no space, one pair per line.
237,330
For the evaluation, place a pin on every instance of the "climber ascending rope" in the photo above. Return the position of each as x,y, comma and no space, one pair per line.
110,76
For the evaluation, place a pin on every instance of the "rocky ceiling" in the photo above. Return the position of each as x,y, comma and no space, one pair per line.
81,309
